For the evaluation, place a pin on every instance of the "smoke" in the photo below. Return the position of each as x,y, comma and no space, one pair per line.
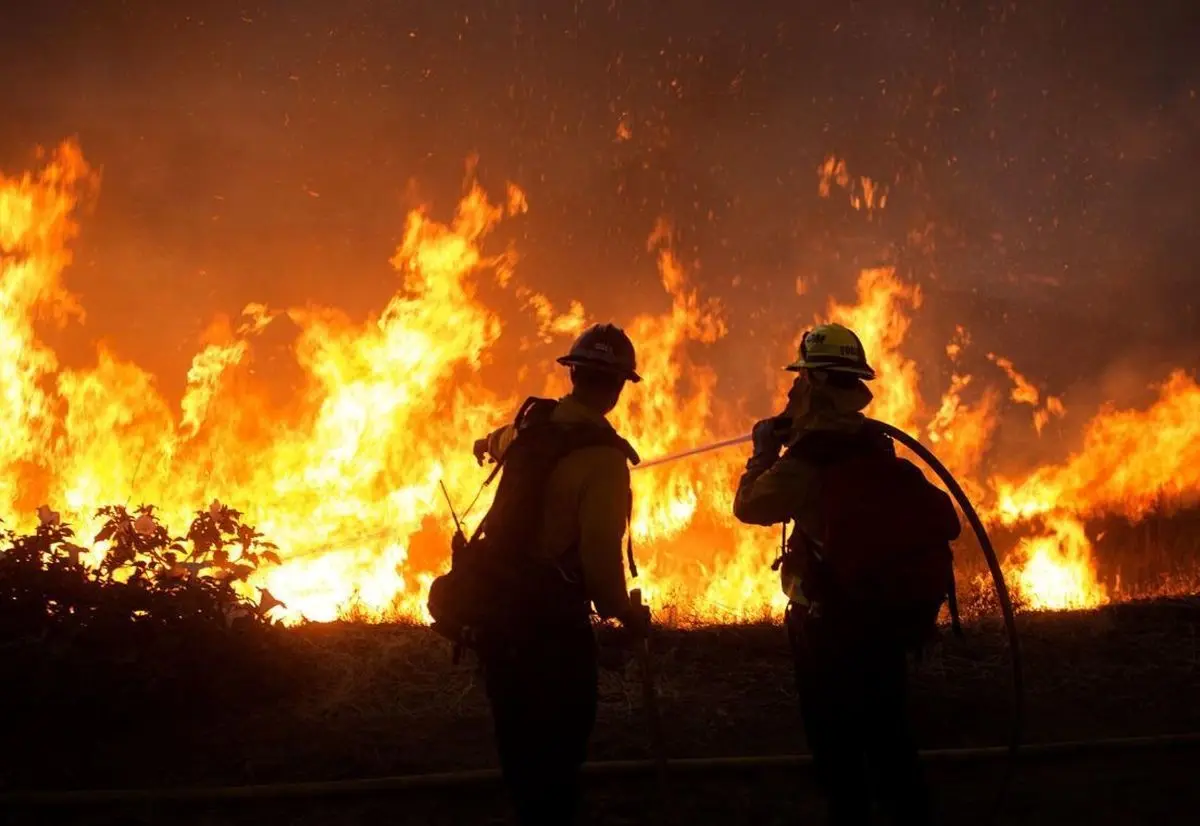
1040,160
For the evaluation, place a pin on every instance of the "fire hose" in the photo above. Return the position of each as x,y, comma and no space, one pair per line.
985,544
1002,596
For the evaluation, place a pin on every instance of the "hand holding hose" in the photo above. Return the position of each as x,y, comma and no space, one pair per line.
768,437
633,625
481,451
636,621
617,642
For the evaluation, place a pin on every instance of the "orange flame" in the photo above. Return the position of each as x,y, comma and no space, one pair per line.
1024,392
344,477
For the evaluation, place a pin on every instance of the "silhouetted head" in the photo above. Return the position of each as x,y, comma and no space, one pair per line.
602,359
598,389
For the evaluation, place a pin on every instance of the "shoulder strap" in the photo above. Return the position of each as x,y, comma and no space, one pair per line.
534,410
825,447
537,412
633,571
581,436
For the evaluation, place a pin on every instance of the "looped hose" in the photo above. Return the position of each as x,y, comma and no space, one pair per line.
1006,607
989,553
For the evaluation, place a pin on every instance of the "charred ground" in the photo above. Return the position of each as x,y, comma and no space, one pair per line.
148,673
135,676
348,700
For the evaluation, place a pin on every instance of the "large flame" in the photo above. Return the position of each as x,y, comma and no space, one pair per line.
345,474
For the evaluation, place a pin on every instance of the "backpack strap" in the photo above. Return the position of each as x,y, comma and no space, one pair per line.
633,571
632,456
594,436
825,447
534,410
536,413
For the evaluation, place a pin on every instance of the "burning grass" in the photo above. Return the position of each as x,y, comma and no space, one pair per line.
344,469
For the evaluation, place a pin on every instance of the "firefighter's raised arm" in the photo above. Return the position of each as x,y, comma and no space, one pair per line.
771,489
781,493
492,446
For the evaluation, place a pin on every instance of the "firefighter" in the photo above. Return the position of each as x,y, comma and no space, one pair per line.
851,675
540,663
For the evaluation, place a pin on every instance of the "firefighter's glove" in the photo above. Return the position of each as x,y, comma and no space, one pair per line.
636,622
612,647
616,639
481,451
768,438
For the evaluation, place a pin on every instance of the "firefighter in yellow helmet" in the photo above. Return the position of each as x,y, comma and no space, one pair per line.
851,680
561,511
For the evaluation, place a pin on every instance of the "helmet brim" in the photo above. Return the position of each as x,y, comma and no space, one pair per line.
602,366
864,373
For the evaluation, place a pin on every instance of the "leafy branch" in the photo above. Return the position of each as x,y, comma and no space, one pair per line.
146,576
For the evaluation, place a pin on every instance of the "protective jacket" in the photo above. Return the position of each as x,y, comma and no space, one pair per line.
789,489
587,507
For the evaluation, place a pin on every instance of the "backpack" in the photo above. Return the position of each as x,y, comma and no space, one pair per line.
496,586
884,563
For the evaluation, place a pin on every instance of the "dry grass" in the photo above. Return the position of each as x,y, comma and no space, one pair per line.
1159,553
372,700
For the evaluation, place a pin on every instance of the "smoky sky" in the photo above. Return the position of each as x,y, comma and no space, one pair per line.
1043,159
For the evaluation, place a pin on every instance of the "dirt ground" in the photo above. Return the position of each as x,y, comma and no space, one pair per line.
364,701
1161,789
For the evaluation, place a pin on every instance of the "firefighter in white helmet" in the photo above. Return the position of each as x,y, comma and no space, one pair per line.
851,668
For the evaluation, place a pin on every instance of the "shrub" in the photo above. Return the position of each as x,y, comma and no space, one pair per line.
147,578
158,625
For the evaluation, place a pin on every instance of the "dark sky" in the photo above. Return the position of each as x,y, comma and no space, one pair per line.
267,151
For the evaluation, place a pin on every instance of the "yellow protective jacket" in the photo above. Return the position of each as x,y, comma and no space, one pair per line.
789,489
587,503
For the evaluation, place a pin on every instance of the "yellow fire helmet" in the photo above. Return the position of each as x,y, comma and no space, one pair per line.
834,348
